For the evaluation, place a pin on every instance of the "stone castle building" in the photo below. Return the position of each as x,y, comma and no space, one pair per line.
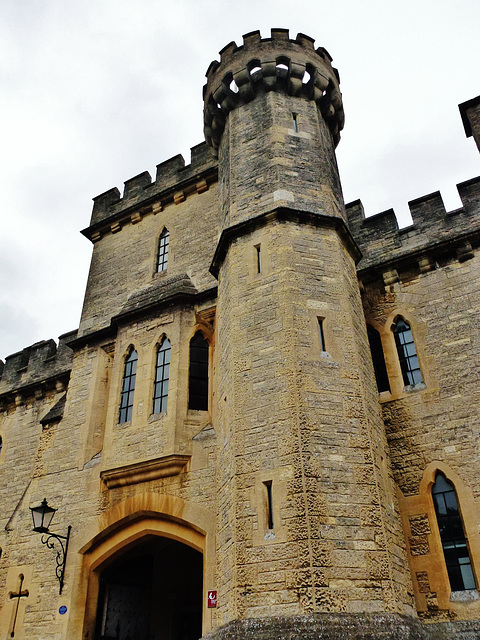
267,423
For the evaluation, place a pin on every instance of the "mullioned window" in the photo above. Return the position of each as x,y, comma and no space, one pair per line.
454,542
128,387
163,251
162,377
407,353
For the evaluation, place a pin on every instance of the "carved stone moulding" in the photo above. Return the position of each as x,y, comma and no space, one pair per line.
145,471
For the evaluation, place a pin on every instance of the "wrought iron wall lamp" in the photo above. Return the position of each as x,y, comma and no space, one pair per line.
42,518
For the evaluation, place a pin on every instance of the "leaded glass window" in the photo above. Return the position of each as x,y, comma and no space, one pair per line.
162,376
378,359
407,354
198,376
128,387
454,543
163,248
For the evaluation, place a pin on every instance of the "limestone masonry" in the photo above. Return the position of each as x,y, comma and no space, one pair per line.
267,423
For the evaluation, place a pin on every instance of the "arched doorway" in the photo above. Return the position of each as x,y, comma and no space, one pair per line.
152,590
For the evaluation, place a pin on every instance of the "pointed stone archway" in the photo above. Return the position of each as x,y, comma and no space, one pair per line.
151,591
151,531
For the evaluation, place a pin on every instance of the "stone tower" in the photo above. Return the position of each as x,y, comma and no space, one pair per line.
308,521
233,461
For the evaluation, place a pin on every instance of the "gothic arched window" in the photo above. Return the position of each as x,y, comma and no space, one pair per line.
163,247
378,359
162,376
454,543
198,374
128,387
407,354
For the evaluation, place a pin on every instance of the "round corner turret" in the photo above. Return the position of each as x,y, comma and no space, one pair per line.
277,63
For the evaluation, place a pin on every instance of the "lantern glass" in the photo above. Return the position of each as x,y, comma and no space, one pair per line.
42,517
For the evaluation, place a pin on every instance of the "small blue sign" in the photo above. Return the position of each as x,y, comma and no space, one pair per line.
62,610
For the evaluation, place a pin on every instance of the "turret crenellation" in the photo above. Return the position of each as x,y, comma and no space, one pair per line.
278,64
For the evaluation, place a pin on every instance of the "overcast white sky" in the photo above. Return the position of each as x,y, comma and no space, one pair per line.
95,92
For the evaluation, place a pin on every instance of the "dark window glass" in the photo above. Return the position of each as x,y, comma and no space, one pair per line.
128,387
407,353
162,376
295,122
198,378
454,543
378,359
163,246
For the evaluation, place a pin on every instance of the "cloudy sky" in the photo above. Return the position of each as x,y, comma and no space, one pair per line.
94,92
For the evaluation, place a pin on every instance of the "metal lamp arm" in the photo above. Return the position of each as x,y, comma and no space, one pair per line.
49,540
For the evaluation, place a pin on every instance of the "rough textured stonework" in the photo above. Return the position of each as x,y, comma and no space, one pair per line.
258,469
347,626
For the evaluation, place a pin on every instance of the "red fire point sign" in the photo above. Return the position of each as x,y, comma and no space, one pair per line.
212,599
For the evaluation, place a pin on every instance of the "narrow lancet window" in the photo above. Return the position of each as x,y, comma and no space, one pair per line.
407,354
321,333
378,359
162,377
268,486
163,248
128,387
295,122
198,376
259,258
454,543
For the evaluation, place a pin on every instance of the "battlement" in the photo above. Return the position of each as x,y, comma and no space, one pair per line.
277,63
172,175
382,241
37,367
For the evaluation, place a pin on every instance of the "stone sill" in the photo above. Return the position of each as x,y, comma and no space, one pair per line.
468,595
145,471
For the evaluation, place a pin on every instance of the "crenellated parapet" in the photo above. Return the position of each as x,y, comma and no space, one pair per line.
36,369
277,63
434,232
174,181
